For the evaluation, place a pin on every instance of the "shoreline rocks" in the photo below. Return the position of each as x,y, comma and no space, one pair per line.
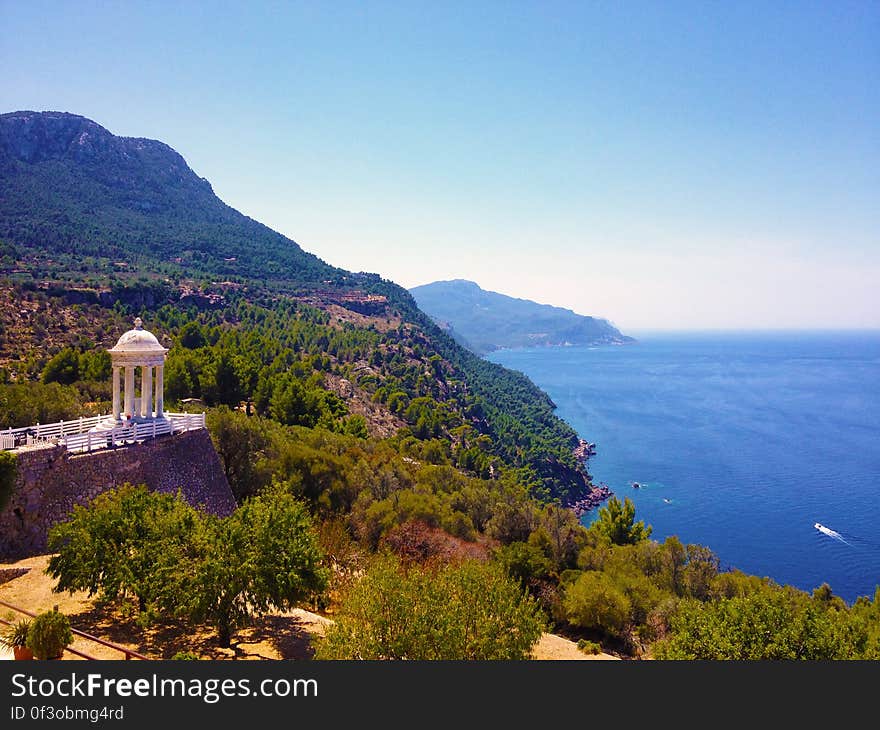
597,494
584,450
592,500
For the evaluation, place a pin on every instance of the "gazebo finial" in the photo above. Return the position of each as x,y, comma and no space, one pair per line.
138,323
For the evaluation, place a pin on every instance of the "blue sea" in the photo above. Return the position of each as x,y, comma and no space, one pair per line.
740,442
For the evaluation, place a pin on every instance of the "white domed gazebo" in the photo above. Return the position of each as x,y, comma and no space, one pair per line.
134,418
138,348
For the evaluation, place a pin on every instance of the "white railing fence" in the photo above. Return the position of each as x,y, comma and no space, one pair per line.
78,435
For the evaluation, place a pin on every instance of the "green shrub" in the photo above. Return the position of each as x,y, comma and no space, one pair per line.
49,634
617,523
186,656
523,561
772,623
25,404
594,602
589,647
8,470
15,634
470,611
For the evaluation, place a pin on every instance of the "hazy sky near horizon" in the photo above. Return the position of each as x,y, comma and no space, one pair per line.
663,165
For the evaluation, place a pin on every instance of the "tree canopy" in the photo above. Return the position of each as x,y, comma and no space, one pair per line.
461,611
617,523
178,561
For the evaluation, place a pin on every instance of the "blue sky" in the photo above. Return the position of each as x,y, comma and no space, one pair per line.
664,165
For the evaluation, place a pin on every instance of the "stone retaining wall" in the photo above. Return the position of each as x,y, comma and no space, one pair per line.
8,574
50,481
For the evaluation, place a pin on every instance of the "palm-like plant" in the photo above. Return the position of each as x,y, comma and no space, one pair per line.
15,634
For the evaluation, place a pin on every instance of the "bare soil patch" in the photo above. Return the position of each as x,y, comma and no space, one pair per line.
285,635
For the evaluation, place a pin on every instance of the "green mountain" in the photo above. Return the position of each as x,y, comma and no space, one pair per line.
95,229
69,186
485,320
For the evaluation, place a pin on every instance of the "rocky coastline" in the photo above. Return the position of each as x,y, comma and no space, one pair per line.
595,498
584,450
597,494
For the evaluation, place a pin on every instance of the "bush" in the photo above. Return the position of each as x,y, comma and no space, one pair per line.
49,634
63,368
26,404
589,647
458,612
771,623
186,656
593,601
523,561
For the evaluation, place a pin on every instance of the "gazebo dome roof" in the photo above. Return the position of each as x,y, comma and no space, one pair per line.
138,341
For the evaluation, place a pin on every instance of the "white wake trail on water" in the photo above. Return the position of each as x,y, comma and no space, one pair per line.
831,533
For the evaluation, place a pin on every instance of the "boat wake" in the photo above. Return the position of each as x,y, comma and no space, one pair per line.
831,533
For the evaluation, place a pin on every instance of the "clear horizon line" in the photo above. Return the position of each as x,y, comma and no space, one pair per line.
722,329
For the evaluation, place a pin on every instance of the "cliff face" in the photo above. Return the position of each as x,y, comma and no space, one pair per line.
50,481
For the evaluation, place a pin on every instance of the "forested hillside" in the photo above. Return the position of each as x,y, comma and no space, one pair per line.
95,229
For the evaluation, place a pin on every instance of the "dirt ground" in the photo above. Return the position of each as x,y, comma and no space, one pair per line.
286,635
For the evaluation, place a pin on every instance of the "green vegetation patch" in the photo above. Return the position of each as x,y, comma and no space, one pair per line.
8,473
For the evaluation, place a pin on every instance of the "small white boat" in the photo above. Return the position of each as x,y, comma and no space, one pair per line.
831,533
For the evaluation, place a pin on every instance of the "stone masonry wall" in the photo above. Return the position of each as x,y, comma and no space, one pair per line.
50,481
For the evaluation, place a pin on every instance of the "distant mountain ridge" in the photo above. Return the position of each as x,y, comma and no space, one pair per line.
485,320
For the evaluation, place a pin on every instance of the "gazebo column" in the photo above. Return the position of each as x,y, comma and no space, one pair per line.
147,392
160,388
116,384
129,390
